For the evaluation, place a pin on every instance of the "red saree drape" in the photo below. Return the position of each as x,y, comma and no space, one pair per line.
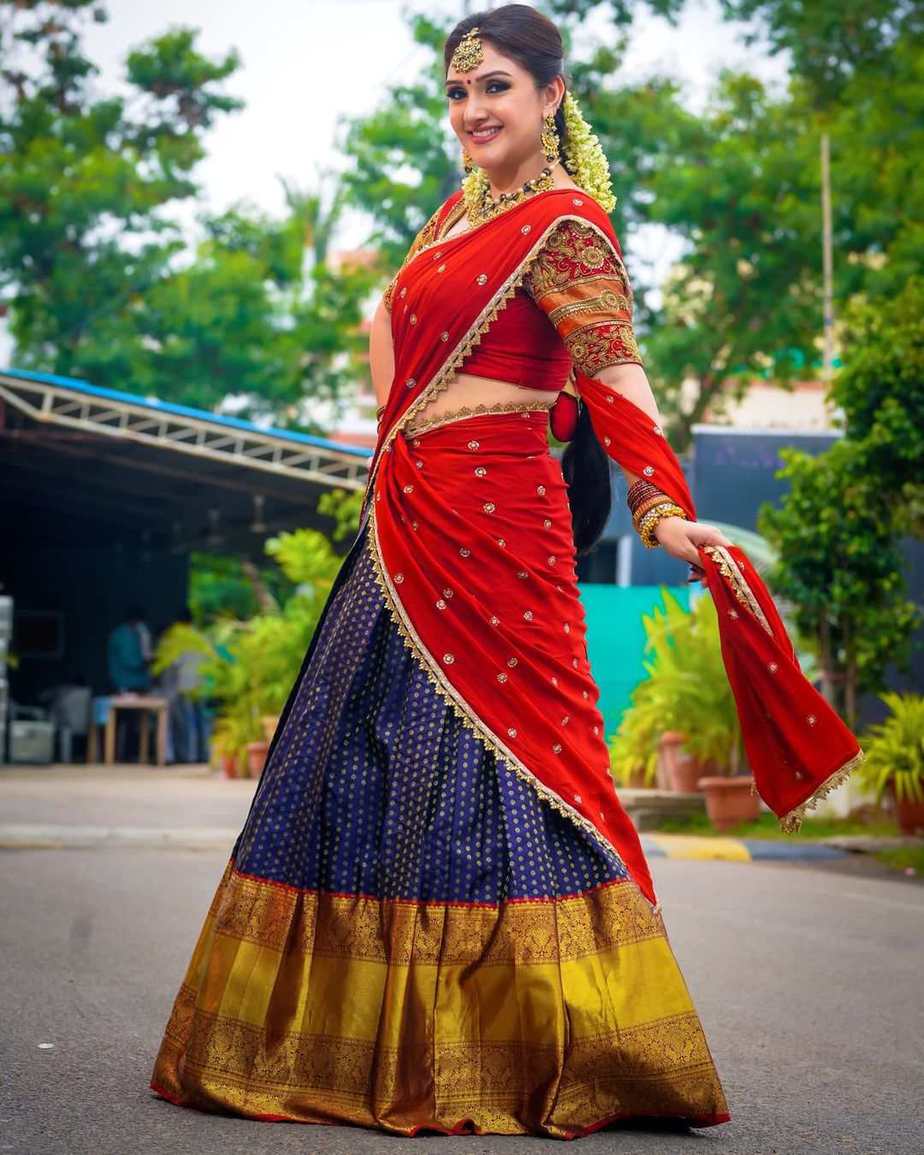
468,601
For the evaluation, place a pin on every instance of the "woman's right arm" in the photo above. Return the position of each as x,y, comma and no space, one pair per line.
381,353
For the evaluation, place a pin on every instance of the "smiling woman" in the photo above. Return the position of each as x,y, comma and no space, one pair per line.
438,915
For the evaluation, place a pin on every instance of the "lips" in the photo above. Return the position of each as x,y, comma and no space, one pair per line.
487,136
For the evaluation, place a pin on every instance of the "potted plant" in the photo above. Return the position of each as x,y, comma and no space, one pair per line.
249,665
894,760
686,697
634,746
677,766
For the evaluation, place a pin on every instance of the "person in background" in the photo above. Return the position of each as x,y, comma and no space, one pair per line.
187,737
128,653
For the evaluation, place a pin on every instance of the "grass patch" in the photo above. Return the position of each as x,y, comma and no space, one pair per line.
903,858
768,826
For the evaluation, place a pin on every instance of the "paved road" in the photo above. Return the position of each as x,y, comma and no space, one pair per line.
807,980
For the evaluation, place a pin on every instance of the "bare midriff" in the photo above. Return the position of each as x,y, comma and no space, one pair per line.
466,393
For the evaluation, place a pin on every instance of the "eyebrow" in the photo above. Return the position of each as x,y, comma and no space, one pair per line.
496,72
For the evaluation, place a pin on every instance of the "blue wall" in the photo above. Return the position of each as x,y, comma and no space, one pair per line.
616,640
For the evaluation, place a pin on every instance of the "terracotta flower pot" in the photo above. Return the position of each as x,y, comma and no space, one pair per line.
909,814
678,770
669,752
229,765
729,800
269,722
256,756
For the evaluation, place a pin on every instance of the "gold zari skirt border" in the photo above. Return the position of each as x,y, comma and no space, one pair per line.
525,1017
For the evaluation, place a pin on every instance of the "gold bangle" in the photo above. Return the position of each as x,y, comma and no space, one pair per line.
644,515
650,522
649,504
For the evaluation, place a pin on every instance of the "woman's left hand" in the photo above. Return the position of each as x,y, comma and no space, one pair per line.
681,539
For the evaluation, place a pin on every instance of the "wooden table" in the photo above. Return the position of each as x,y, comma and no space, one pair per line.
150,704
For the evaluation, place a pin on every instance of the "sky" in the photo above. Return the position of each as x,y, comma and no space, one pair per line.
306,63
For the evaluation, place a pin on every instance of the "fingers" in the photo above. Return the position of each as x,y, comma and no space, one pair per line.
709,535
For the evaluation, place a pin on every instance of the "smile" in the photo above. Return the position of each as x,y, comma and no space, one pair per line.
484,134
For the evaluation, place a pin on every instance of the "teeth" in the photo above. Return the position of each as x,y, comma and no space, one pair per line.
484,134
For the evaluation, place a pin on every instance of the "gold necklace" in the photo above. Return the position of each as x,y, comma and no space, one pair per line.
480,206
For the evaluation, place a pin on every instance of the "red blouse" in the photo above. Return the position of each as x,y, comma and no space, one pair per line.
574,307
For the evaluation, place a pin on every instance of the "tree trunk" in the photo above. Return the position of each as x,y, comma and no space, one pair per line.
827,680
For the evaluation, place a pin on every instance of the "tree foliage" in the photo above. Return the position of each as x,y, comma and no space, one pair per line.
85,178
739,184
95,273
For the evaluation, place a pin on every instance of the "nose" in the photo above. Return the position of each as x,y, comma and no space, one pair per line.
475,113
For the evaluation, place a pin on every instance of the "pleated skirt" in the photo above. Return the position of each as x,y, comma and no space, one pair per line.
407,936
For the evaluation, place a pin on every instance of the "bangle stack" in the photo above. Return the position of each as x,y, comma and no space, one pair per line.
648,506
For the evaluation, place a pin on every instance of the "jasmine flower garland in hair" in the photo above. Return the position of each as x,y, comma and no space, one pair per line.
584,158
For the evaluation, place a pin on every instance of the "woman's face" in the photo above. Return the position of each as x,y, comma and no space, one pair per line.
499,95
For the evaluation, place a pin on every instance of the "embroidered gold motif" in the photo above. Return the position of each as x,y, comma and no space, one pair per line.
742,591
593,347
472,410
583,287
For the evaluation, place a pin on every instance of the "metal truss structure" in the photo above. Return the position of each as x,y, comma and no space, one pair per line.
63,401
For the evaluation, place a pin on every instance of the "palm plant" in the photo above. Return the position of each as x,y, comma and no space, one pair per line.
895,750
686,689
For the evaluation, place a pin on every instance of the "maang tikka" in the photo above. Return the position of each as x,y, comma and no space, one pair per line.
469,52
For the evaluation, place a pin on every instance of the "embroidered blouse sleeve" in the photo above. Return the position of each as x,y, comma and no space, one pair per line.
424,237
580,282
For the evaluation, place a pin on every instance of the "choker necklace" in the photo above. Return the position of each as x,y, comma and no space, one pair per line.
481,206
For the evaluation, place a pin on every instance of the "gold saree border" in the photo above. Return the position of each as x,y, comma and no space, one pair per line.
729,569
792,820
460,707
527,931
576,1014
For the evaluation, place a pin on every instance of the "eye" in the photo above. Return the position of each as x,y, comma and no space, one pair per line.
496,85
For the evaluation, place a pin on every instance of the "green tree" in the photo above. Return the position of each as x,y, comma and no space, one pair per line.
259,314
96,276
85,181
404,161
881,395
832,42
841,568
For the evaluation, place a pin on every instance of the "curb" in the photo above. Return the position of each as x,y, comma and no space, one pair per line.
736,849
21,836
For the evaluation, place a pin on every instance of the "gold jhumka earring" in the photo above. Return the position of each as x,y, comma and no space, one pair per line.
549,140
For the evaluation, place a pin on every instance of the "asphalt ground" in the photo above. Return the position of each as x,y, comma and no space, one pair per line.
807,978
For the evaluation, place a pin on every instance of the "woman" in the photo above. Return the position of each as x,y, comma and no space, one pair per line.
437,914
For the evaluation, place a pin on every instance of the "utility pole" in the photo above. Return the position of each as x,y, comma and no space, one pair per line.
827,371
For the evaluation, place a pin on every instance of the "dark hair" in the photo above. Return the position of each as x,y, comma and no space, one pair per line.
533,41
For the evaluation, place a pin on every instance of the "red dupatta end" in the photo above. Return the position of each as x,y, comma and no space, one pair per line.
797,746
